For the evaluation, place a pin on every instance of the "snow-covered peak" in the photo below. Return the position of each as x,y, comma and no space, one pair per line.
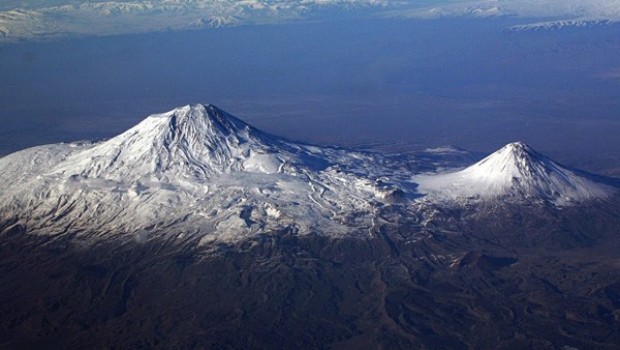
194,126
514,161
515,171
202,120
518,145
194,140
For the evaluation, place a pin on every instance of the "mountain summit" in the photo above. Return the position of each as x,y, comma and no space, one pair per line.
193,140
515,171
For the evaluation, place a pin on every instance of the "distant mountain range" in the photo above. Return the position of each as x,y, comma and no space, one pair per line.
560,24
199,174
51,19
27,20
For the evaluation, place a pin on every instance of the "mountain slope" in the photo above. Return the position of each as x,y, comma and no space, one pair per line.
514,172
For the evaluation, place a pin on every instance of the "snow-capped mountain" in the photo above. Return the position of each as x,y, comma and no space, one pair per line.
514,172
193,171
200,174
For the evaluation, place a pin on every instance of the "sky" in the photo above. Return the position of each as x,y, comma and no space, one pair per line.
390,75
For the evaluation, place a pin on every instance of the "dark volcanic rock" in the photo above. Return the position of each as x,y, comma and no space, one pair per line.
286,291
